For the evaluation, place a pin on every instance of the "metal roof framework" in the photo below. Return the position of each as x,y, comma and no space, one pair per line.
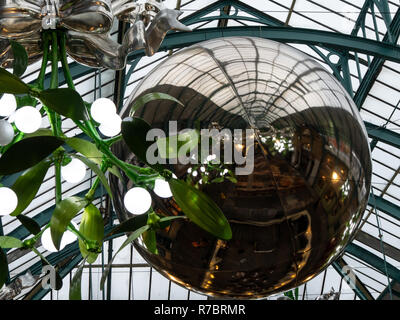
357,41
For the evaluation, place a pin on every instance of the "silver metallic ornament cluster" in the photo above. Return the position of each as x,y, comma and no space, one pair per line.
87,24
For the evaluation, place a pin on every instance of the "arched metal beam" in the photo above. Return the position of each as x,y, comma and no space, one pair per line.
377,64
336,41
357,286
373,260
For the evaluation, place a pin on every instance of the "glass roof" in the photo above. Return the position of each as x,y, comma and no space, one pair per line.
373,82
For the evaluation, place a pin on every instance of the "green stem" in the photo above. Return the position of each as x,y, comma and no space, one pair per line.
54,61
30,243
90,194
55,119
113,140
36,237
64,62
45,59
40,255
88,126
77,233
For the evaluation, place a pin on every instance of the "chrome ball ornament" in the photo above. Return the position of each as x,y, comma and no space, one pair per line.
294,212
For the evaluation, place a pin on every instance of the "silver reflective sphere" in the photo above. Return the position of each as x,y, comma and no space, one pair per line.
299,207
6,133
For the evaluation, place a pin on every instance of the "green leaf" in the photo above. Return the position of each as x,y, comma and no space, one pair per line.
10,242
26,100
166,221
130,225
173,146
232,179
200,209
136,234
28,184
28,152
90,151
62,216
134,131
42,132
10,83
75,292
150,241
96,170
66,102
218,180
31,225
20,55
92,227
289,294
141,101
3,268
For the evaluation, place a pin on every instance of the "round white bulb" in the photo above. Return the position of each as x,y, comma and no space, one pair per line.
102,109
137,200
6,133
112,126
162,189
8,105
74,172
8,201
28,119
67,238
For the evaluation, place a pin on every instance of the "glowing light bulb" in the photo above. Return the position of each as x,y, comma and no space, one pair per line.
137,200
112,127
162,189
67,238
28,119
102,109
74,172
335,176
8,201
6,133
8,105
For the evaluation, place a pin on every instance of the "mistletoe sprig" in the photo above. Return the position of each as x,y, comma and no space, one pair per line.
29,157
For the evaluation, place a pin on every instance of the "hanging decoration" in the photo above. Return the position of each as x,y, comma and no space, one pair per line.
87,26
50,30
286,159
264,222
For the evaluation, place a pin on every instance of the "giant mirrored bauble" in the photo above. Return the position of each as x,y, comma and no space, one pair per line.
303,201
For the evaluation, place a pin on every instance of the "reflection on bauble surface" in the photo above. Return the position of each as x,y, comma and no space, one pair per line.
302,202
